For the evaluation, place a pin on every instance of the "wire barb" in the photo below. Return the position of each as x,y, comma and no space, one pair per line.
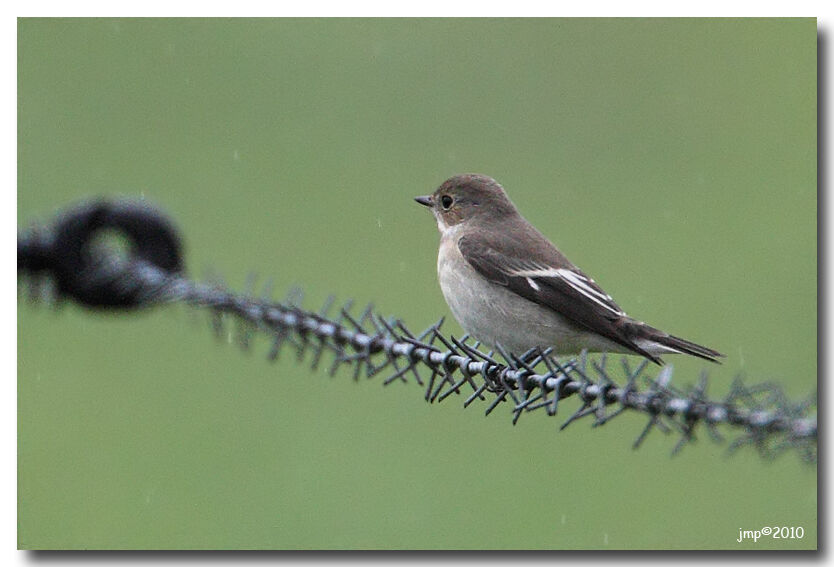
65,255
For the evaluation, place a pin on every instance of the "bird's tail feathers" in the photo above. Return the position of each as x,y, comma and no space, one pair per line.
669,343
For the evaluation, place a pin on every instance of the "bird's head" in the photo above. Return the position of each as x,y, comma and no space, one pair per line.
468,198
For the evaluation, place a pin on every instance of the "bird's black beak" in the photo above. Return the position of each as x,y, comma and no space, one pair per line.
425,200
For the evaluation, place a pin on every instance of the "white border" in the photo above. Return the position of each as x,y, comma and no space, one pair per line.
8,33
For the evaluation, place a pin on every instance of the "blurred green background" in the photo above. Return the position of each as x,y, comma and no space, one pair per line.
673,160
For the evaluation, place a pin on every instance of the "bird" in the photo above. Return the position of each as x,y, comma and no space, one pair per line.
509,287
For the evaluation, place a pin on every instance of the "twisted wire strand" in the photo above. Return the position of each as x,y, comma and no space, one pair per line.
151,273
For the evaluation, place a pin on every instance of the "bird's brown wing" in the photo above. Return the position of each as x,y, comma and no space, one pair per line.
544,276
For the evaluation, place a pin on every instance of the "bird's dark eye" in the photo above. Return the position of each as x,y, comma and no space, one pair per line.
446,201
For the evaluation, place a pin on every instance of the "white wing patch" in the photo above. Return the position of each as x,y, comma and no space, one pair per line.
577,281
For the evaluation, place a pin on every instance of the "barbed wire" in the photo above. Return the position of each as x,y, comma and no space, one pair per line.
66,260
